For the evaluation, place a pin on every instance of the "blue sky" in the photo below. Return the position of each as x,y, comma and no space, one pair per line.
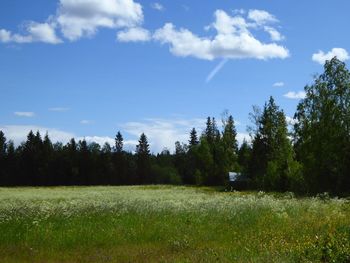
88,68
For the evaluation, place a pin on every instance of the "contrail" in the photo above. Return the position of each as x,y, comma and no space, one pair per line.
216,70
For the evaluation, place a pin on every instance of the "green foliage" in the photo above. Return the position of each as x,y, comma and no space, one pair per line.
272,162
143,160
322,133
332,247
119,142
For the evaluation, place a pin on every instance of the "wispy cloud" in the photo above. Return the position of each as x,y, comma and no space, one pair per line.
278,84
60,109
135,34
216,70
295,95
86,122
157,6
27,114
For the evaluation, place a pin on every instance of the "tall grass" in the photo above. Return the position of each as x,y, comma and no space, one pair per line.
169,224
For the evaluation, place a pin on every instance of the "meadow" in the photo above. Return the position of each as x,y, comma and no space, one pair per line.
170,224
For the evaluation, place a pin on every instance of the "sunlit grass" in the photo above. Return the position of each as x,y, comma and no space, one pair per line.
169,224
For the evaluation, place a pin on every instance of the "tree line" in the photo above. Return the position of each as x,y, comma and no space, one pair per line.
312,157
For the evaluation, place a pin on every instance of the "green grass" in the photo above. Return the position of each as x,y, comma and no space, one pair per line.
169,224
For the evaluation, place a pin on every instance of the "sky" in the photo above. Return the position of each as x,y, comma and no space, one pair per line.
90,68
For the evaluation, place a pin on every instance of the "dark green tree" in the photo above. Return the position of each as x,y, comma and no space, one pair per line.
119,142
143,160
229,144
3,167
322,131
193,138
272,153
243,157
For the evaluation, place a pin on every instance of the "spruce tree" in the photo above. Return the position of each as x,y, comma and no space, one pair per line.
119,142
143,160
193,138
272,153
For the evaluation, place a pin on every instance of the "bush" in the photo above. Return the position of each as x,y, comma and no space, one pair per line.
334,247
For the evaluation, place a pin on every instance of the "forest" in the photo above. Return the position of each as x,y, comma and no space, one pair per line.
309,158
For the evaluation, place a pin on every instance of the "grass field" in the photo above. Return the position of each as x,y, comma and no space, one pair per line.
169,224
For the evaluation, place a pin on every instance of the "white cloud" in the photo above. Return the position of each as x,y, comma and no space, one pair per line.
321,57
216,70
233,40
79,18
274,34
28,114
243,136
239,11
164,132
35,32
295,95
18,133
128,145
291,121
278,84
261,16
157,6
60,109
135,34
5,36
86,122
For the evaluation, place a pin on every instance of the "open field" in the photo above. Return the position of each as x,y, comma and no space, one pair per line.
169,224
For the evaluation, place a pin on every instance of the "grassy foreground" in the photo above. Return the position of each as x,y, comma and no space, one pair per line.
169,224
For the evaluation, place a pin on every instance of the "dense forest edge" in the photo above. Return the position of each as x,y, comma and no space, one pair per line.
311,158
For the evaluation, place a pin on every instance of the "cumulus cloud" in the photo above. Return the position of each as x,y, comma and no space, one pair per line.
295,95
278,84
321,57
34,32
135,34
157,6
233,39
78,18
27,114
